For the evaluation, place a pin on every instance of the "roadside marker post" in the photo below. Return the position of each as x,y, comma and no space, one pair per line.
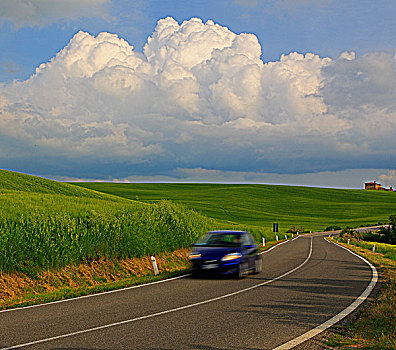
263,241
285,237
275,229
292,235
373,248
155,266
348,241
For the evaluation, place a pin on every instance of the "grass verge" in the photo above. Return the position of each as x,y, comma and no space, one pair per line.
376,326
20,289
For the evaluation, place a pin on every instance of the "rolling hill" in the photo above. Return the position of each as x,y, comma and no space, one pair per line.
262,205
13,181
48,224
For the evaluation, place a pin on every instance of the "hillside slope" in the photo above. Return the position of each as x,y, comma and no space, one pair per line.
13,181
262,205
45,224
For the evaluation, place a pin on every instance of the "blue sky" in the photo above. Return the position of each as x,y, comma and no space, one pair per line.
292,103
323,27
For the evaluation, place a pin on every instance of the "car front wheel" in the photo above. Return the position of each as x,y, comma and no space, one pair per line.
242,270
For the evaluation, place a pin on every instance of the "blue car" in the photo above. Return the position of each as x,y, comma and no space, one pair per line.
226,252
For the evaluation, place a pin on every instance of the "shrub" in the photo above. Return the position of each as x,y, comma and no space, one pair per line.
332,228
392,220
388,234
349,233
295,229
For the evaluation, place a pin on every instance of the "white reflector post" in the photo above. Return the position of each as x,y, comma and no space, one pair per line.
155,267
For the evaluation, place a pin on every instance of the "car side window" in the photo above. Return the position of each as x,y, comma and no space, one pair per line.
245,239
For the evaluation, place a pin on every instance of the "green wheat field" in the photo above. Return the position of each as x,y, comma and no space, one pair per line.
46,224
262,205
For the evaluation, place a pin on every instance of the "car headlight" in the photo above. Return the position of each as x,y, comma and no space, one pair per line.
194,255
231,256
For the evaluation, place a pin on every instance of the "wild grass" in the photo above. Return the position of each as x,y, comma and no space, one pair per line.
360,240
65,224
387,250
94,229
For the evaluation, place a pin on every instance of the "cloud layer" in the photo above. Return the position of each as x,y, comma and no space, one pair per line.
198,96
38,12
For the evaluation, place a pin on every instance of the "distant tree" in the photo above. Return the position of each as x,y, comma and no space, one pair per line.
392,220
349,232
388,234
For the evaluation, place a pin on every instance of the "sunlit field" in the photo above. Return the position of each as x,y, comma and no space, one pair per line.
262,205
48,224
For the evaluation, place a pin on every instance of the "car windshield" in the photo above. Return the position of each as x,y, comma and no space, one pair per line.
220,240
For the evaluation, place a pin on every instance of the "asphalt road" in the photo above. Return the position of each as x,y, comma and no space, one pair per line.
304,283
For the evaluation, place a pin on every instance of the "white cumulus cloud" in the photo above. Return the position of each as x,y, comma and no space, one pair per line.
199,96
388,179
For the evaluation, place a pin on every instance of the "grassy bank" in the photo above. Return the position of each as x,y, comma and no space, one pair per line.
262,205
45,225
21,289
33,240
376,326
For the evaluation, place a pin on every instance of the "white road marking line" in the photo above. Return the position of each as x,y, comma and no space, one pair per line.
332,321
96,294
117,290
277,245
162,312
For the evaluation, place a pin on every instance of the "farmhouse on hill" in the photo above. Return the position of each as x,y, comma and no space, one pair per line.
376,186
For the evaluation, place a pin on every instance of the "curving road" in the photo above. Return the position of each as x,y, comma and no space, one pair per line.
304,283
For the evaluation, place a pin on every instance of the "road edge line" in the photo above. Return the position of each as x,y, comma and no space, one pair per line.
95,294
120,289
188,306
337,318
